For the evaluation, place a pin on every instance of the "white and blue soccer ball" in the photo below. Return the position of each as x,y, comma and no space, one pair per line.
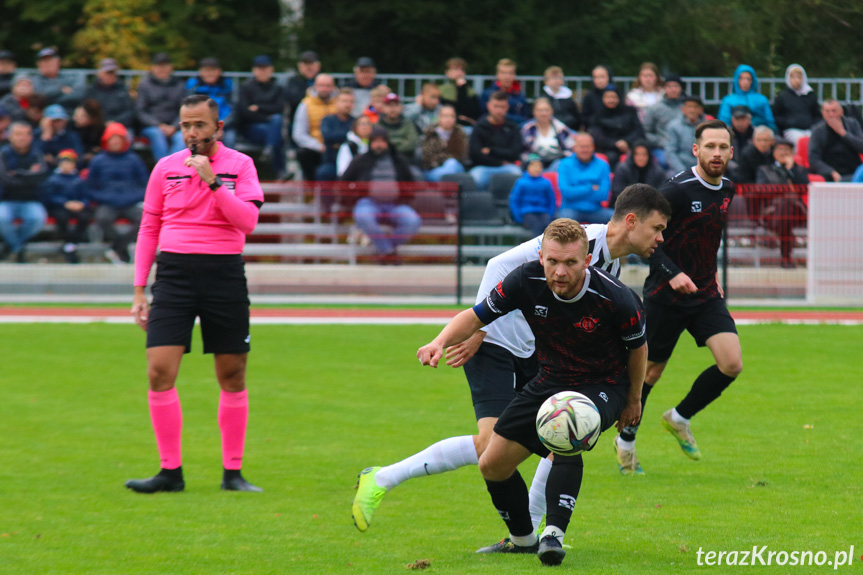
568,423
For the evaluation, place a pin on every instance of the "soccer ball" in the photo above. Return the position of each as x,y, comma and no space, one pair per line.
568,423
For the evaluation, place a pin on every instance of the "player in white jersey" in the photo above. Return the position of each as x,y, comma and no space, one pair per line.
499,359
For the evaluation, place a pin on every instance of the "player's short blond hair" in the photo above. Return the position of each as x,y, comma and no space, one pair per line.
565,231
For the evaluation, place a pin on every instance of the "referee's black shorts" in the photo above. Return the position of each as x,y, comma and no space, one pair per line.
211,287
518,421
494,375
665,323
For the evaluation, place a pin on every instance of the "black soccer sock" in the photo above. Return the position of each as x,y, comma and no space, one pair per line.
628,433
561,489
172,474
511,501
707,387
231,474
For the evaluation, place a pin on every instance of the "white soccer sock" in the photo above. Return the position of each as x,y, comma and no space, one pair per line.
523,540
625,445
677,418
556,532
536,504
445,455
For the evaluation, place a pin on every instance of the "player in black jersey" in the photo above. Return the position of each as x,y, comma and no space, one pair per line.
682,290
589,331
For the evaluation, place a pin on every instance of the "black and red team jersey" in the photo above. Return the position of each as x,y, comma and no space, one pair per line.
584,340
699,211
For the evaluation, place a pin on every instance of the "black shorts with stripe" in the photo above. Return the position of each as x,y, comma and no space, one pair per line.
518,421
494,375
210,287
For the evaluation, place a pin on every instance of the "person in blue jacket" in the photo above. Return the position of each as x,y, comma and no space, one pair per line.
532,200
745,93
116,182
218,87
65,197
585,182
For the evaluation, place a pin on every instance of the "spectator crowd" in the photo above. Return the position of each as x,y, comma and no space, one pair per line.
66,147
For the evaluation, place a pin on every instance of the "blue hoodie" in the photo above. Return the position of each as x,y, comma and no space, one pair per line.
117,180
583,187
60,188
531,195
757,103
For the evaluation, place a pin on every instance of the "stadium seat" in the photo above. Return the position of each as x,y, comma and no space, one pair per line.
552,177
500,187
477,208
802,157
465,182
602,157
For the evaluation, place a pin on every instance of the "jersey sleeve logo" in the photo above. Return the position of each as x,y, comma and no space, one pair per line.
499,289
588,324
696,207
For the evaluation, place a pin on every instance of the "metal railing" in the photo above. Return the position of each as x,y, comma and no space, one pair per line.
710,89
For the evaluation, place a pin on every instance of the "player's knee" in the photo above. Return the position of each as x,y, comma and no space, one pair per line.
480,441
493,470
731,367
161,377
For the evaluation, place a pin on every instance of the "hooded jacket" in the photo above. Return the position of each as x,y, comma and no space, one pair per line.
796,109
613,124
592,101
752,99
117,179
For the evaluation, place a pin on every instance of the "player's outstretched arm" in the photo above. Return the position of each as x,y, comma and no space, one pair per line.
458,354
636,368
456,331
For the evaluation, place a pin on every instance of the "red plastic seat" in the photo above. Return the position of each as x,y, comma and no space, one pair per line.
802,157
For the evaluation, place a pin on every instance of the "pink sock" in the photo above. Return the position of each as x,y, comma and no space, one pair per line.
233,417
167,418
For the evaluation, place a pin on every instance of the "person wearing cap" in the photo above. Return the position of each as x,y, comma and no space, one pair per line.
506,82
403,135
532,201
744,92
495,143
66,198
53,135
383,169
18,100
159,96
680,135
116,184
219,88
259,113
741,127
659,115
308,68
363,82
58,87
8,65
784,211
111,92
22,173
306,131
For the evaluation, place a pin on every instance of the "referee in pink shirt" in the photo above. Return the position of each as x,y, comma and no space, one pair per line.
199,206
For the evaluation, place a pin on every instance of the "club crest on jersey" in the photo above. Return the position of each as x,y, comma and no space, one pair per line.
696,207
540,311
588,324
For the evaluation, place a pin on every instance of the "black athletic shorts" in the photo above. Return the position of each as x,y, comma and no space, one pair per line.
518,421
494,375
211,287
665,323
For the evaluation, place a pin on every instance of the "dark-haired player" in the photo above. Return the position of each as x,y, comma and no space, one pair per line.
199,206
500,359
682,291
589,332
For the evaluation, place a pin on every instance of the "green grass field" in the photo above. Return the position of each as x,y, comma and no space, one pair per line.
781,466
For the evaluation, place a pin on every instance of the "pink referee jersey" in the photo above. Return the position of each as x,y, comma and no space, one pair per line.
182,215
